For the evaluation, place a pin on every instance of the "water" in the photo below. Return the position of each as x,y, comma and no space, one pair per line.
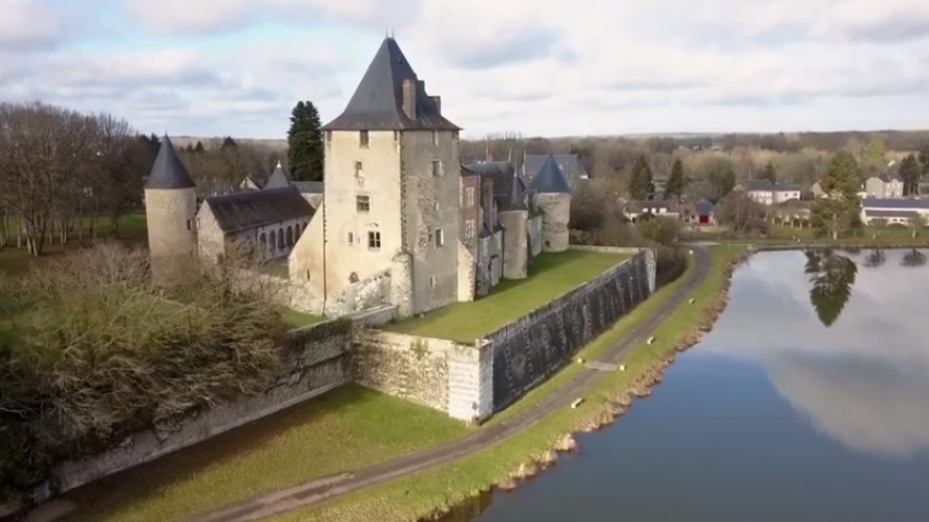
809,401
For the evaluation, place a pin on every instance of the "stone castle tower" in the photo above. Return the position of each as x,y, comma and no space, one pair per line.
392,188
553,196
514,216
171,212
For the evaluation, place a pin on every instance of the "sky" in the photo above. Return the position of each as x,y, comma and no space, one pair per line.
864,381
546,67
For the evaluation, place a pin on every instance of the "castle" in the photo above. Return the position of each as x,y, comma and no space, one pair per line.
399,222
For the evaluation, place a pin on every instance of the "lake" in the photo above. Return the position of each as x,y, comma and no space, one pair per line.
809,401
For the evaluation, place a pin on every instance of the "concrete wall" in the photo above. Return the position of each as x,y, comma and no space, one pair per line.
172,230
530,349
315,363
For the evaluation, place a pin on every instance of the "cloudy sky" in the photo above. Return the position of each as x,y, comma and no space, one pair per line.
546,67
863,381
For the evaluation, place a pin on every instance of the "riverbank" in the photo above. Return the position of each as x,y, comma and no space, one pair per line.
433,492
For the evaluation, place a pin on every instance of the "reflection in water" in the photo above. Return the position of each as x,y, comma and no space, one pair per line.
913,258
832,276
875,258
467,510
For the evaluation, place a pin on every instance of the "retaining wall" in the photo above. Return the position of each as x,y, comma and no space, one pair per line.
315,363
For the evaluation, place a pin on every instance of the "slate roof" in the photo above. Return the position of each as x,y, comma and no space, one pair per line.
890,213
895,204
309,187
378,100
705,207
502,173
278,179
549,179
257,208
168,172
765,185
517,196
574,171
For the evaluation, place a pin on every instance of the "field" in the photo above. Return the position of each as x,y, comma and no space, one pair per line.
551,276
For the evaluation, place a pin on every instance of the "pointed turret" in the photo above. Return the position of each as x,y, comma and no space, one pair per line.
279,178
550,179
391,97
517,197
168,172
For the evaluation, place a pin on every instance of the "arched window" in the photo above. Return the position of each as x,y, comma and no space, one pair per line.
290,237
298,230
263,241
273,241
280,239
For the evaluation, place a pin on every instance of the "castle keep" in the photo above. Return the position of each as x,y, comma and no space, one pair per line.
399,223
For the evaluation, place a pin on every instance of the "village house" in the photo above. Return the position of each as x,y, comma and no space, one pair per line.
399,222
764,192
893,210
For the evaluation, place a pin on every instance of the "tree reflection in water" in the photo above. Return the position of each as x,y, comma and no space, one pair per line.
913,258
876,258
466,511
832,276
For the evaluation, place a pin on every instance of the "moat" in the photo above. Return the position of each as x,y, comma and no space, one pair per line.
809,401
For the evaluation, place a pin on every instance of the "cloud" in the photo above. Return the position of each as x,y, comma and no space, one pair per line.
865,380
578,67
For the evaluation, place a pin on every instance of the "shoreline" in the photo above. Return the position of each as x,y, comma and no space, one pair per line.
510,462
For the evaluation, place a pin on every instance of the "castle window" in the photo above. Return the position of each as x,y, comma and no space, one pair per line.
469,228
439,237
358,168
469,197
363,203
290,237
436,206
396,136
432,281
435,138
273,240
307,275
374,240
363,139
280,239
189,225
454,135
436,168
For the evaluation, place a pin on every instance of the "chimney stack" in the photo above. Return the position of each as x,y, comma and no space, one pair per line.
437,100
409,98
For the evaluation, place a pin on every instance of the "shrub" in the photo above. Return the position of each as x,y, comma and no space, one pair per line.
92,351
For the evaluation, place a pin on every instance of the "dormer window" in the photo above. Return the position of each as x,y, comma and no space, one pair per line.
435,138
363,139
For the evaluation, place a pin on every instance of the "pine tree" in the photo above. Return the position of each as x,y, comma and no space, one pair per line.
910,172
229,144
199,147
837,211
924,158
305,143
676,181
769,173
641,185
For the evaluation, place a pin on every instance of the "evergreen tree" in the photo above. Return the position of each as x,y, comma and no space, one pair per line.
910,171
189,147
229,144
641,184
769,173
676,181
305,143
837,211
924,158
199,147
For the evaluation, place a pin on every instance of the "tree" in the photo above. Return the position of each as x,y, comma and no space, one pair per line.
199,147
769,173
588,208
722,181
924,158
913,258
677,183
875,259
910,171
741,213
916,222
660,229
641,184
228,143
832,277
305,142
877,224
839,209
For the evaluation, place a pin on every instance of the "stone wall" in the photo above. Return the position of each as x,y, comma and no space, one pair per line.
448,376
530,349
315,363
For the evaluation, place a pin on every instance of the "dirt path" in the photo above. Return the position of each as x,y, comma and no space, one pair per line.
336,486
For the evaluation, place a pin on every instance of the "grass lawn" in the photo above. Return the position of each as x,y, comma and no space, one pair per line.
413,497
343,430
297,319
552,275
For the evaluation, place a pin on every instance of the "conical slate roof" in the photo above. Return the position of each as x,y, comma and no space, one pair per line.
168,172
517,197
378,100
279,178
549,179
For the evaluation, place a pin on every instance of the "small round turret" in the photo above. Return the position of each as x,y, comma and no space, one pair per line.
171,213
554,200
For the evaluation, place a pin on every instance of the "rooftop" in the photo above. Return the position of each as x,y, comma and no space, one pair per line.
895,204
168,172
550,179
257,208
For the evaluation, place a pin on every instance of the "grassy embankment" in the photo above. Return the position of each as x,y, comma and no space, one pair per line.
551,276
346,429
435,491
896,235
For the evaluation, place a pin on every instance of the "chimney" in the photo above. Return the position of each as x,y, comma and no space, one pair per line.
409,98
437,101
